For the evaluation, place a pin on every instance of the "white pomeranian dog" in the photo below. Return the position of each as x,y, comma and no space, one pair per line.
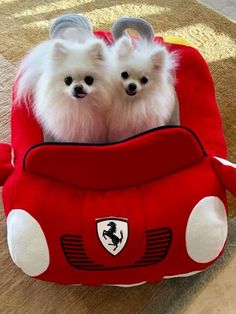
70,87
144,95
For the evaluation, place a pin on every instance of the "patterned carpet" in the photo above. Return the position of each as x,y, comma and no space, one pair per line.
25,23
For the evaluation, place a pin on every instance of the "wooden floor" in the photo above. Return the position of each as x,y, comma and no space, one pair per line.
225,7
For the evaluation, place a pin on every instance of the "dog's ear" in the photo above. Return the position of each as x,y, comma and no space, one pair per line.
123,47
97,51
59,50
159,57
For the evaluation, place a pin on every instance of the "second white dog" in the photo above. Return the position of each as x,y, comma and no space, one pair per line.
143,96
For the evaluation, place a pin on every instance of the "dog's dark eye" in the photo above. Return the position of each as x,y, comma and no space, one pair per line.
89,80
125,75
144,80
68,80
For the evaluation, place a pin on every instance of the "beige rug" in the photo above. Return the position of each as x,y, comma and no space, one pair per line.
25,23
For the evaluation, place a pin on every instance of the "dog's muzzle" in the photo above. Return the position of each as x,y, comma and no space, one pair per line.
132,89
79,91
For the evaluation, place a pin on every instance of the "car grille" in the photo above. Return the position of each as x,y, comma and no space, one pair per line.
158,242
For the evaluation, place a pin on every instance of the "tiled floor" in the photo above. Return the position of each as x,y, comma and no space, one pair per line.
225,7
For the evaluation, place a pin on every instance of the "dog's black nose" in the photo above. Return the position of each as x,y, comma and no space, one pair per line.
132,87
78,89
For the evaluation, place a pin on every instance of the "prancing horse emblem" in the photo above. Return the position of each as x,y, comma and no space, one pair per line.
113,234
110,234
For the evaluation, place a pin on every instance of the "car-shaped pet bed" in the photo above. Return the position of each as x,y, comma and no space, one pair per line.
147,208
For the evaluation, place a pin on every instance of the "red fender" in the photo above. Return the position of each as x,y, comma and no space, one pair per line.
226,171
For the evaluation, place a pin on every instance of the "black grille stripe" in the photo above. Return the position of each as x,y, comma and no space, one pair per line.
157,246
75,254
157,231
158,242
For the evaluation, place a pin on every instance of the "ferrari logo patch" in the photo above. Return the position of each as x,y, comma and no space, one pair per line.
113,233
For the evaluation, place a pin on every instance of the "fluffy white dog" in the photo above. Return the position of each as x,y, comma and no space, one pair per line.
71,89
143,96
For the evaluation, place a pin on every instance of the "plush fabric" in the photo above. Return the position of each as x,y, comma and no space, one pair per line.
149,207
6,167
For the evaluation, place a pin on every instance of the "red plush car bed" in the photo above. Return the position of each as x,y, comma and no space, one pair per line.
147,208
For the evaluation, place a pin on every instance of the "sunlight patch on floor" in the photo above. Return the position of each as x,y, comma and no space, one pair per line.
58,5
99,16
41,25
109,15
7,1
212,45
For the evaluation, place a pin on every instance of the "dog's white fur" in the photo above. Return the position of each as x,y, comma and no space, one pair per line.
64,117
153,104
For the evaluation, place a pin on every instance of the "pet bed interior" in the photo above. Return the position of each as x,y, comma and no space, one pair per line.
196,97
